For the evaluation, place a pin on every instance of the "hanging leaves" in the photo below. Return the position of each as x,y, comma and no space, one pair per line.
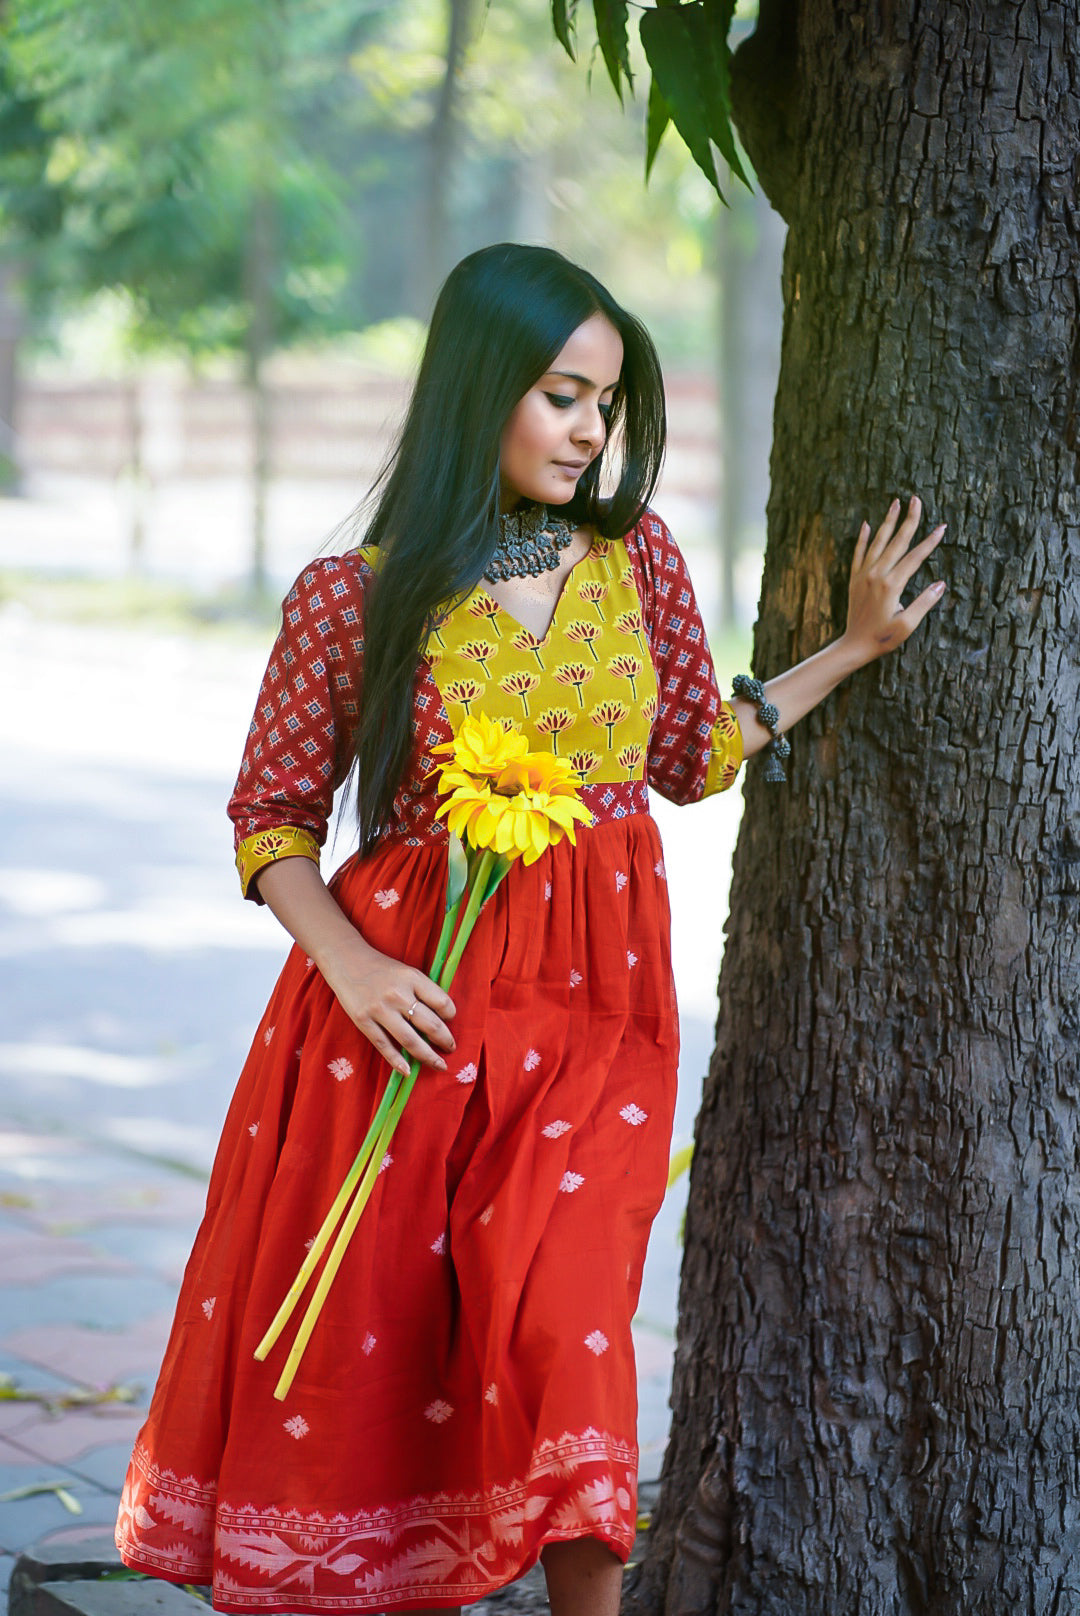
562,20
611,32
658,120
686,46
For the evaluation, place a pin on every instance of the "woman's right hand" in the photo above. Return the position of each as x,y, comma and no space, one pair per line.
375,991
395,1006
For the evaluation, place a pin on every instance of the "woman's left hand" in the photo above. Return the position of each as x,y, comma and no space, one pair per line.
880,572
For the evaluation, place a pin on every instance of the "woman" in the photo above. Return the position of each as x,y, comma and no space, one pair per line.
467,1401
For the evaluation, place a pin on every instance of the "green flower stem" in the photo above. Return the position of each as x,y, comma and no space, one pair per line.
477,895
360,1163
333,1262
485,874
330,1222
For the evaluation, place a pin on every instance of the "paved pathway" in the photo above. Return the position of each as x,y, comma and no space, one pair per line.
132,977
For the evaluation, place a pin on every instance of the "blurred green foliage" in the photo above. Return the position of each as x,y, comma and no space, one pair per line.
195,158
140,144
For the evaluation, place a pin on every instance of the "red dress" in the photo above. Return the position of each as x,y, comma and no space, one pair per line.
468,1393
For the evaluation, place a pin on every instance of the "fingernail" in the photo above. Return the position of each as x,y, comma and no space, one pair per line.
441,1064
939,587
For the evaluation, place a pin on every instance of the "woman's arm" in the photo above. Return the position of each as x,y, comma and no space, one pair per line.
876,623
375,991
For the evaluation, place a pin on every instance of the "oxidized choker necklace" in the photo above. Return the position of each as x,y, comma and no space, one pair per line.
530,542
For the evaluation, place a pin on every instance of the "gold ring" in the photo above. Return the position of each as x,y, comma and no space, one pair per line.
414,1005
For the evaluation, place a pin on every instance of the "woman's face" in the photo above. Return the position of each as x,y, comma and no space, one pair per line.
560,426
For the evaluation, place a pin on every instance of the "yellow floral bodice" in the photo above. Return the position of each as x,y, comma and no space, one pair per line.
586,690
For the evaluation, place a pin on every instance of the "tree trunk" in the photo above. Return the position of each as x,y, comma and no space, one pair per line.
260,341
10,332
444,148
876,1402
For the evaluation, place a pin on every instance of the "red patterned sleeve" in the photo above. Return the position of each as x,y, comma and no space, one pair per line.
696,746
299,746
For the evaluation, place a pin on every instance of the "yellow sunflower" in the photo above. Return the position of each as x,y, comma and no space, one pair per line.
483,747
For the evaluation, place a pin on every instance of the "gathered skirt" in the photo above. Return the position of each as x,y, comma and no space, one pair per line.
468,1394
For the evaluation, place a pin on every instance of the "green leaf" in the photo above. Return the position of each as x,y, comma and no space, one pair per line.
69,1501
686,47
668,42
715,28
499,871
457,872
562,20
611,22
658,120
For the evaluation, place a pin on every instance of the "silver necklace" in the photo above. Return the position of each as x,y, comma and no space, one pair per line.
530,542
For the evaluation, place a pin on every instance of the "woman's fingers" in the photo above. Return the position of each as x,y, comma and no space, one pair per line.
431,1027
418,1028
428,1011
889,537
913,615
909,562
432,996
860,546
382,1043
399,1040
884,533
411,1039
891,552
880,572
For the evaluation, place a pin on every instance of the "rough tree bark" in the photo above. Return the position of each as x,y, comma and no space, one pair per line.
877,1388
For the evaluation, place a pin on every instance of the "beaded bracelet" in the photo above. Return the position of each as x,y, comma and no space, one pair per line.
779,747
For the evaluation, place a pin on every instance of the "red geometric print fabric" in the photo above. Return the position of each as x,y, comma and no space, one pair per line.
468,1394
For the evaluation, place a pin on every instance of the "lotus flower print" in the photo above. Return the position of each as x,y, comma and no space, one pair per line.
525,640
484,606
520,684
576,674
553,721
582,632
480,651
625,666
464,692
606,714
595,592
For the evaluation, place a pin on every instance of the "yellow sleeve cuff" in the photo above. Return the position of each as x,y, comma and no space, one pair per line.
255,852
725,752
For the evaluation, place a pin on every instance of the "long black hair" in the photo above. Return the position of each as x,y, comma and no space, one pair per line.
502,316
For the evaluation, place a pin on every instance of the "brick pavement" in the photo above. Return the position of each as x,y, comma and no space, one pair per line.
92,1246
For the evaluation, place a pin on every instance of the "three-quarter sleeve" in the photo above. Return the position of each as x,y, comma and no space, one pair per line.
300,744
696,744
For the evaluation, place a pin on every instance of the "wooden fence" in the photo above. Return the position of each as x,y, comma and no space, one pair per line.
166,430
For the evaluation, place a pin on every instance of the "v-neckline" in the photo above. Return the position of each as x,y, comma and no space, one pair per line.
539,641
